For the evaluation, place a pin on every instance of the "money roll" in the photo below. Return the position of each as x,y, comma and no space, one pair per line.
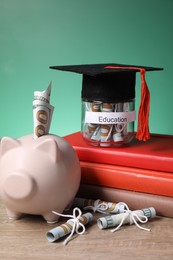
65,229
115,220
98,205
93,130
106,130
118,128
42,112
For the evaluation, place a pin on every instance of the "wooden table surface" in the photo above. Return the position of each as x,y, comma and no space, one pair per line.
26,239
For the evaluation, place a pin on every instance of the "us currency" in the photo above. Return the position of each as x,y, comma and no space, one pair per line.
120,129
98,205
106,130
42,112
65,229
115,220
92,130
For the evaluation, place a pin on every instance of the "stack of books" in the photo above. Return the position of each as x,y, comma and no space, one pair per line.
140,174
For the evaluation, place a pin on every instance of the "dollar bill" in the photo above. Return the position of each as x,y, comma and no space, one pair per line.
92,130
106,130
65,229
98,205
43,95
115,220
42,112
120,130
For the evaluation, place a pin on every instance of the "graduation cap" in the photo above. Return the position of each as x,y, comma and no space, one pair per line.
115,83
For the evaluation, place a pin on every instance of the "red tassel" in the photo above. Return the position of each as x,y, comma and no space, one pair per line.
144,109
143,133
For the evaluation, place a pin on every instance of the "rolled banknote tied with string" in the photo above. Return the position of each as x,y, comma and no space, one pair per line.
128,217
42,112
106,130
73,224
92,131
119,129
98,205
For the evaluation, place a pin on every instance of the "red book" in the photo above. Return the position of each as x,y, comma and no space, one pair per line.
154,154
127,178
135,200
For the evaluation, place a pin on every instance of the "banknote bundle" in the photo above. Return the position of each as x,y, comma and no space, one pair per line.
42,112
128,217
107,124
106,130
74,223
98,205
92,130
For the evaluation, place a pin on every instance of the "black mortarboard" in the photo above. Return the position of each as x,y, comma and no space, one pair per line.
112,83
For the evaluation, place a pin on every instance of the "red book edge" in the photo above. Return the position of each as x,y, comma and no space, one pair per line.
135,200
155,154
127,178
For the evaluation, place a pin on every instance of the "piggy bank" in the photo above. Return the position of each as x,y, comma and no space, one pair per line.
38,176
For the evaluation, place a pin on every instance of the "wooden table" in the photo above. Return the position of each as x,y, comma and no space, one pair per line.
26,239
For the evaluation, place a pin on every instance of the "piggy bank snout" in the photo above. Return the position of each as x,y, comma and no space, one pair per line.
19,185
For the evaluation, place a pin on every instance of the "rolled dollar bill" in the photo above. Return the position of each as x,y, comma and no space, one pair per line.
42,112
106,130
43,95
129,217
65,229
92,129
98,205
96,134
118,128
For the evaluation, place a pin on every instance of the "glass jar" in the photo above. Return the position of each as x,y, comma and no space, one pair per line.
108,124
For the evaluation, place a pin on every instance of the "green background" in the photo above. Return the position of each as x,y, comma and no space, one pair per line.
36,34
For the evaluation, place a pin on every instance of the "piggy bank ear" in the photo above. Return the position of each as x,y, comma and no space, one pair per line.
50,147
8,143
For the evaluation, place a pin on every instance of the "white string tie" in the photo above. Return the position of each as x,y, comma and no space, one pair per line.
98,207
133,219
120,127
76,223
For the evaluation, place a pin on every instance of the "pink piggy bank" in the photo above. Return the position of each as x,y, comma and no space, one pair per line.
38,176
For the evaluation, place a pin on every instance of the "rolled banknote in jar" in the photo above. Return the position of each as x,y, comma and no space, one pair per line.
118,128
65,229
92,130
98,205
106,130
129,217
42,112
96,134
